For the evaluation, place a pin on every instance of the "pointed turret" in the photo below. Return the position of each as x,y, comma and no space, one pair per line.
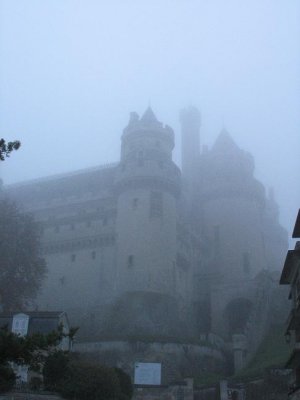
149,117
224,143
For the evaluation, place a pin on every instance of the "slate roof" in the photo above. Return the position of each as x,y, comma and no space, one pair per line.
64,185
292,262
296,233
39,321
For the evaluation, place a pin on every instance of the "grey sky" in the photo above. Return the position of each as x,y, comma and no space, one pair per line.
71,71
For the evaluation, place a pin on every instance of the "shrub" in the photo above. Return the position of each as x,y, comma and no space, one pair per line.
125,383
55,369
7,378
86,382
35,383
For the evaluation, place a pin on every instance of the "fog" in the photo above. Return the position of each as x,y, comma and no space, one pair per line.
71,71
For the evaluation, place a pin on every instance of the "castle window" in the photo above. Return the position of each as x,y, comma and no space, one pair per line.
104,221
88,224
93,255
73,257
135,202
72,227
156,204
246,262
130,261
56,229
157,144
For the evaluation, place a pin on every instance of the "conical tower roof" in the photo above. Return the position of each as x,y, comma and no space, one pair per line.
149,117
224,143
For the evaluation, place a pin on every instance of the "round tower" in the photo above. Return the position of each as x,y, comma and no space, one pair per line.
147,186
233,204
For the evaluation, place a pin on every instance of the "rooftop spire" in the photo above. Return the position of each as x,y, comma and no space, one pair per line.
149,116
224,142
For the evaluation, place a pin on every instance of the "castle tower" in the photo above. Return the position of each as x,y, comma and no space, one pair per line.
147,186
233,205
190,120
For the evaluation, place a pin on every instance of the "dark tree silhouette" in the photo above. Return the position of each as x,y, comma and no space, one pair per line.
32,351
22,269
7,148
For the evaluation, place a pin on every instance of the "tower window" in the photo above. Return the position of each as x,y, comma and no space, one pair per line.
73,257
104,221
88,224
130,261
72,227
56,229
156,204
93,255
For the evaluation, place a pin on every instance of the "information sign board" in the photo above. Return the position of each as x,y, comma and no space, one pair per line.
147,373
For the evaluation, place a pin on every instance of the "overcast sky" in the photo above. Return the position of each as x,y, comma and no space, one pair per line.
71,71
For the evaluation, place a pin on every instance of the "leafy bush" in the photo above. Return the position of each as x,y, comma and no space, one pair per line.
7,378
35,383
86,382
76,379
125,383
55,369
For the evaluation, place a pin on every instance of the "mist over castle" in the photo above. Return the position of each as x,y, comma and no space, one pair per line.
140,246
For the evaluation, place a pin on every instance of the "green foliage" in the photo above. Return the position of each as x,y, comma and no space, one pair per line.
7,378
272,353
207,378
35,383
73,378
270,388
125,383
31,350
55,370
90,382
22,269
7,148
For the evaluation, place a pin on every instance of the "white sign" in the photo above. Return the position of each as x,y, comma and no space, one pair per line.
20,324
147,373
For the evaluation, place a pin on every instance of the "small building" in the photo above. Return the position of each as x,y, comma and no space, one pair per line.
32,322
291,276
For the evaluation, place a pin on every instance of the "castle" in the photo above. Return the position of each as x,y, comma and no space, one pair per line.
141,246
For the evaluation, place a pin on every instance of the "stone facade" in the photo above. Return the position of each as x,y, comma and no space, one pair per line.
138,246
